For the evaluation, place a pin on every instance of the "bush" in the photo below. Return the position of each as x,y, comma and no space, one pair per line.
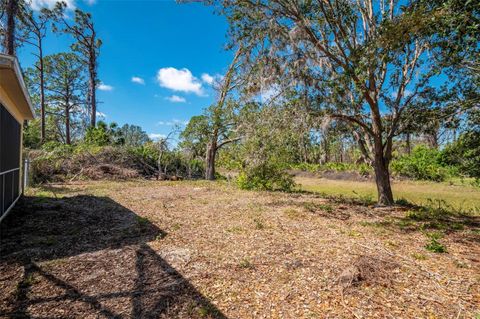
265,177
424,164
465,154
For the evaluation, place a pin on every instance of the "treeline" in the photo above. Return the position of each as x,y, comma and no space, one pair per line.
63,85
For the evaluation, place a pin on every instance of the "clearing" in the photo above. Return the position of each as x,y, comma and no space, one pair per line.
147,249
459,196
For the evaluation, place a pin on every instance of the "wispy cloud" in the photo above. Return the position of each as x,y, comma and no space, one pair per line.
211,79
173,122
156,136
105,87
101,114
138,80
179,80
37,5
176,99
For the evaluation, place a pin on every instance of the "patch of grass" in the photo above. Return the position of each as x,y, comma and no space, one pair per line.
439,215
364,199
142,221
350,232
459,196
419,256
234,229
405,224
259,224
28,281
403,202
392,244
434,245
245,263
314,207
176,226
292,213
354,233
207,311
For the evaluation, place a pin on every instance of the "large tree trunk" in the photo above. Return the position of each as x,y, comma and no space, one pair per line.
382,179
93,99
12,7
408,144
210,161
42,94
67,125
92,70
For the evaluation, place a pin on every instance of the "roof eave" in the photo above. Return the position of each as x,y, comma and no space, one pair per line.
8,61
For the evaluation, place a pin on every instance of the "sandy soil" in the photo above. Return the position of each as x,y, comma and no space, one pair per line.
207,250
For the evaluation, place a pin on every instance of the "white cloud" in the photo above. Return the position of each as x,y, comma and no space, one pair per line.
105,87
179,80
172,122
90,2
101,114
176,99
207,78
37,5
138,80
156,136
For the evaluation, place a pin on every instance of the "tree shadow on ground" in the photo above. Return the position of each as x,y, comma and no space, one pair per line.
88,256
405,217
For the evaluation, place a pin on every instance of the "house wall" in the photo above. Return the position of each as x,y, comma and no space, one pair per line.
11,178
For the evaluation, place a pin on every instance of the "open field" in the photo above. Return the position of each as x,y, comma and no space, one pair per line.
460,197
147,249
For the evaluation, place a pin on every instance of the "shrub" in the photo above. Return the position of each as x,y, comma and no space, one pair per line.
424,164
434,245
265,177
465,154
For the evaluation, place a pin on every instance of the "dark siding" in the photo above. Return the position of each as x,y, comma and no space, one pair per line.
9,159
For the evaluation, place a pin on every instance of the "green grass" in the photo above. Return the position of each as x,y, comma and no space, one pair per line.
461,197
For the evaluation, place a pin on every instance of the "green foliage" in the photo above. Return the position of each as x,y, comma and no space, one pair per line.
424,164
246,263
465,154
31,134
434,245
133,135
104,134
265,177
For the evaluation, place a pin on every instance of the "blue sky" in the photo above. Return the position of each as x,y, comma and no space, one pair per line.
156,61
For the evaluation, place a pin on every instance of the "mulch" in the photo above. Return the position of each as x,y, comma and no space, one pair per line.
157,249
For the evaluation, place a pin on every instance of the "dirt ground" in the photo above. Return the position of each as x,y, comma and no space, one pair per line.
148,249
